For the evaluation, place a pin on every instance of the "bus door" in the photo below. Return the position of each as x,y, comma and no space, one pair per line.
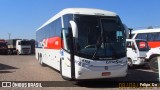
131,51
67,57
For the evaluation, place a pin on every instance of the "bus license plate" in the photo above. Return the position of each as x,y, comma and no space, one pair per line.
106,73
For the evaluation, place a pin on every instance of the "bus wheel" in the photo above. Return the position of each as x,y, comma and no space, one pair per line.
153,63
40,60
130,63
65,78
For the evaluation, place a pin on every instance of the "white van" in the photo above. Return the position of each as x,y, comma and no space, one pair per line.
136,51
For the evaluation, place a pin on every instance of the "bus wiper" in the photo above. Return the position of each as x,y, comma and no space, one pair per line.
98,45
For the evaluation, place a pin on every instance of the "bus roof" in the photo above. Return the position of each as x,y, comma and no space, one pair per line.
86,11
146,30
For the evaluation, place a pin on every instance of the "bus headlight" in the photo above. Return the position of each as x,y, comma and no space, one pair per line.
123,63
83,64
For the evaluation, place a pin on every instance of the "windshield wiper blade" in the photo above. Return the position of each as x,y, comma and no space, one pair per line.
98,45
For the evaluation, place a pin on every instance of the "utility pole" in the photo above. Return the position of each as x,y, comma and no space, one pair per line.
9,34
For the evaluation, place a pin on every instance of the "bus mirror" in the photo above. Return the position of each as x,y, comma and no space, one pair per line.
126,30
74,29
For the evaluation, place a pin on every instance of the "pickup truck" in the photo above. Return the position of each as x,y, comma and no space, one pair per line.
136,51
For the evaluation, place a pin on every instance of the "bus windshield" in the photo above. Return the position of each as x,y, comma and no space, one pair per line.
100,37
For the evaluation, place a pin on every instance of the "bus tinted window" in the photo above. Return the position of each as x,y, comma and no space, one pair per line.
157,36
100,37
51,30
58,27
141,36
151,36
66,19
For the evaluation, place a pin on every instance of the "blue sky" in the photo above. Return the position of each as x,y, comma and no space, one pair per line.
21,18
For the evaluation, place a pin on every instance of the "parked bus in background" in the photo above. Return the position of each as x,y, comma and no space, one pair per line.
152,36
83,43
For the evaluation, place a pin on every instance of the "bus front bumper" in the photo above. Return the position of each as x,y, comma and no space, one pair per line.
85,73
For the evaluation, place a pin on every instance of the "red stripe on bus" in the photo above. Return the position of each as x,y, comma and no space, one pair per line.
154,44
52,43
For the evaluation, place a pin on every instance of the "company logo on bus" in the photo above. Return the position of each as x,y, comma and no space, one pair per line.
114,61
51,43
142,44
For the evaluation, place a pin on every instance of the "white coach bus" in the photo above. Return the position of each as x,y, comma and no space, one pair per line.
83,43
152,36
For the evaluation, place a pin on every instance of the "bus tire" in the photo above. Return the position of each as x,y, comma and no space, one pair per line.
130,63
153,63
40,60
65,78
38,56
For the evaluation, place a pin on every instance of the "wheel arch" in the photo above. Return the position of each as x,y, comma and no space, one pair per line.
152,56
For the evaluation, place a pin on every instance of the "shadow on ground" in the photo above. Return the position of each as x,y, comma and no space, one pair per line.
4,68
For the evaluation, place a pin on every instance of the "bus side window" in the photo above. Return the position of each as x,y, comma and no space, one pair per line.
157,36
66,39
141,36
151,36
